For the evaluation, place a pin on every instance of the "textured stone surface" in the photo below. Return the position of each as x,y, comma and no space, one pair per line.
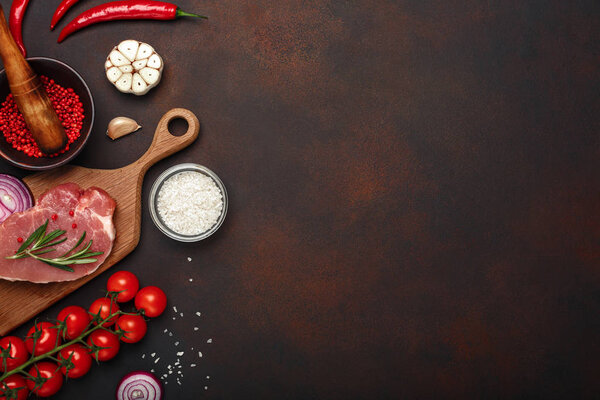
413,197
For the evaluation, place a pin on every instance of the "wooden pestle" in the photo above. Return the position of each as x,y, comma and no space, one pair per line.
30,95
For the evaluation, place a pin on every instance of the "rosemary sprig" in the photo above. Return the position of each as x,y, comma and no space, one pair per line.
41,243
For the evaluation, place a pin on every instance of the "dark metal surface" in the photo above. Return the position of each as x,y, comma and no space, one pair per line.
414,197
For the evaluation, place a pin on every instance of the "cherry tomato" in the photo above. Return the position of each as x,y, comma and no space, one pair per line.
124,282
102,338
18,352
47,370
152,300
80,358
76,318
134,326
14,384
47,340
103,306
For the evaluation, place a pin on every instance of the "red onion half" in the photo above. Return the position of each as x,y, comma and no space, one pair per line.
139,385
14,196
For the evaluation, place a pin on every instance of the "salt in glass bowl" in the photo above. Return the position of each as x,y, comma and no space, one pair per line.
157,186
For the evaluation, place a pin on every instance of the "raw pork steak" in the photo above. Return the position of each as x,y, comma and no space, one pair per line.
92,211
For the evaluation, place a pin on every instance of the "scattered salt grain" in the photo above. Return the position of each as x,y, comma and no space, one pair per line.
191,280
165,331
189,259
180,353
153,354
200,354
192,365
170,372
170,333
174,308
207,377
151,370
205,387
156,361
209,341
181,314
144,355
176,343
198,313
190,203
173,318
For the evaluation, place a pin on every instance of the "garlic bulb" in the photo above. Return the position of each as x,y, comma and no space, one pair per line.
121,126
133,67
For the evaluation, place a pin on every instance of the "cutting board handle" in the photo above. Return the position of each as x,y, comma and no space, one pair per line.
164,143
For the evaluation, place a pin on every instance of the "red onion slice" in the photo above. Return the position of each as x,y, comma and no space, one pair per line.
139,385
14,196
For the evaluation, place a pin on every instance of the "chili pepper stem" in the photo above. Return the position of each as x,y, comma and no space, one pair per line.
180,13
22,368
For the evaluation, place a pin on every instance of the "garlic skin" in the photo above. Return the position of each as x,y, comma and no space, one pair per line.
133,67
121,126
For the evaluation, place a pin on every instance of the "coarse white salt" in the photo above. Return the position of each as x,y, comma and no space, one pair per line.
198,313
153,354
156,361
205,387
189,203
165,331
207,377
200,354
176,343
191,280
196,328
144,355
173,318
179,353
151,370
189,259
192,365
181,314
209,341
170,333
174,308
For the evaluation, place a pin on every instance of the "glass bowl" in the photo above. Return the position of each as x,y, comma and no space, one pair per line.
160,224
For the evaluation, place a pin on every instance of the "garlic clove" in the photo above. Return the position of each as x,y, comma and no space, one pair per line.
155,61
129,49
144,51
138,85
121,126
139,64
124,82
113,74
150,75
126,68
118,59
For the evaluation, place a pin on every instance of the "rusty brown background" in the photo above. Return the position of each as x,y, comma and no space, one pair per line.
414,197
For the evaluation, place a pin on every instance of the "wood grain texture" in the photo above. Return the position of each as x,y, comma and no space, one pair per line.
20,301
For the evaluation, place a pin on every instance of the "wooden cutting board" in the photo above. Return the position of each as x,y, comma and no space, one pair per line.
20,301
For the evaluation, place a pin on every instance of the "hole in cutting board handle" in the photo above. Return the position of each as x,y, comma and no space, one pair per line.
178,126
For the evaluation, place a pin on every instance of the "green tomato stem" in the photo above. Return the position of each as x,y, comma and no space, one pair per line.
79,339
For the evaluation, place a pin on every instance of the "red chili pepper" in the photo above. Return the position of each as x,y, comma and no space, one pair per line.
61,10
127,9
15,21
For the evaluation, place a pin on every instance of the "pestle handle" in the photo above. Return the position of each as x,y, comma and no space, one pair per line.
30,95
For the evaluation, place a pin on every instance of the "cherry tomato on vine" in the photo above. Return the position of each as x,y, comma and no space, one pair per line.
14,384
104,307
134,327
102,338
47,370
152,300
79,357
18,352
76,319
124,282
48,338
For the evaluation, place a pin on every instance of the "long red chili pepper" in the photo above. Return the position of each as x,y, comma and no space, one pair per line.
15,21
61,10
127,9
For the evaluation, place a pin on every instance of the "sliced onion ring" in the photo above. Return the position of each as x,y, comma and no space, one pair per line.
139,385
14,196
